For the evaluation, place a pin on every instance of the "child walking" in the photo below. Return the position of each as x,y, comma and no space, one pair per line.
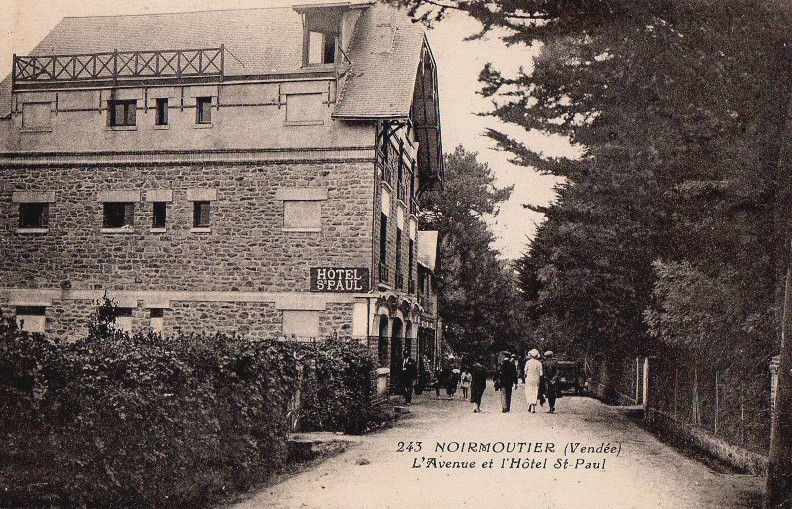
467,378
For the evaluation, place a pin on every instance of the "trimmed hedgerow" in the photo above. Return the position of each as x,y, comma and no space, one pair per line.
337,390
118,420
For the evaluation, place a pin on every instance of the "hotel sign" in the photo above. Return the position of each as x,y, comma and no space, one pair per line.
340,279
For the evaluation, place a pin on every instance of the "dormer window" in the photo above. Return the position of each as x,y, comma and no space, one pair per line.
322,34
321,48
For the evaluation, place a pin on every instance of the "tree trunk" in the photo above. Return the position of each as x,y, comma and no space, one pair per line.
779,471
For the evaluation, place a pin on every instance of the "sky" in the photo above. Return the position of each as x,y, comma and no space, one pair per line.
26,22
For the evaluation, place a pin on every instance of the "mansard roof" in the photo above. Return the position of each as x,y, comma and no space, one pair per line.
385,54
262,40
266,41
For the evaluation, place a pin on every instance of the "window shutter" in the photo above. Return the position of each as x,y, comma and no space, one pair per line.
129,214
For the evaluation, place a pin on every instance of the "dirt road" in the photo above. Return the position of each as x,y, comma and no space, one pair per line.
585,456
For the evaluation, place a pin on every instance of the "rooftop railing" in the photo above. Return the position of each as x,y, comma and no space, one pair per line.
119,65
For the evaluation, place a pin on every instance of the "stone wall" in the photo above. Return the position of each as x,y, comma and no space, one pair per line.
245,248
69,318
336,320
257,319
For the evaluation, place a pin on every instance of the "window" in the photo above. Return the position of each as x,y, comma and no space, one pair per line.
118,215
121,113
159,214
321,47
410,271
203,110
37,116
31,318
33,215
156,319
161,112
412,180
400,190
301,324
399,273
322,29
383,261
302,215
123,319
201,214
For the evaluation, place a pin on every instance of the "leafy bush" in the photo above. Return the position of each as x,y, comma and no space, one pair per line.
119,420
337,389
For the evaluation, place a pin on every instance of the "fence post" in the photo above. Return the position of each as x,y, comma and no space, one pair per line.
695,405
646,383
742,417
637,380
717,402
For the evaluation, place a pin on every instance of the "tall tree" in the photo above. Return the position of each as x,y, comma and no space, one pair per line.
678,209
478,302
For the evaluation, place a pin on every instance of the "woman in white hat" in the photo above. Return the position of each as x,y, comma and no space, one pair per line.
533,373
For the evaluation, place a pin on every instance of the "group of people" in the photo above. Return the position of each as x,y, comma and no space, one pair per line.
539,373
540,376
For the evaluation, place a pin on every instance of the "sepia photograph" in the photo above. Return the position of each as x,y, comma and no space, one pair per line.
395,254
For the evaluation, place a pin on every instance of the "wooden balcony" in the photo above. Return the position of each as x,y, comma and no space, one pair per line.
117,66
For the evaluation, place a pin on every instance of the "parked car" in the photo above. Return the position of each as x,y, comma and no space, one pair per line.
571,376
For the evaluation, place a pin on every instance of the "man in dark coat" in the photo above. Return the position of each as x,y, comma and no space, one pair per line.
409,374
477,385
550,371
507,379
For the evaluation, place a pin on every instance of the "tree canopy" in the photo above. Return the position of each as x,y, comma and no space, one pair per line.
478,301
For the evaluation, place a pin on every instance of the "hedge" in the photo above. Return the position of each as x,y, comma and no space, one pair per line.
118,420
337,387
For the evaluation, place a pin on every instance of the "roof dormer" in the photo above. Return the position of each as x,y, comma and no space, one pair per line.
327,31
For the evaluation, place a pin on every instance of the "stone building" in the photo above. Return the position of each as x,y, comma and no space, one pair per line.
251,171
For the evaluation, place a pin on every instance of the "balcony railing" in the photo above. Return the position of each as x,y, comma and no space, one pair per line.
115,65
383,272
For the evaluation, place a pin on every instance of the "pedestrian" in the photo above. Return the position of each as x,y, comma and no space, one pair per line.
541,386
533,374
452,382
439,381
516,362
409,374
550,370
465,379
507,379
478,383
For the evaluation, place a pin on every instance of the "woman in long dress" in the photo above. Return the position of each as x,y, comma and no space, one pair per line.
478,384
533,373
